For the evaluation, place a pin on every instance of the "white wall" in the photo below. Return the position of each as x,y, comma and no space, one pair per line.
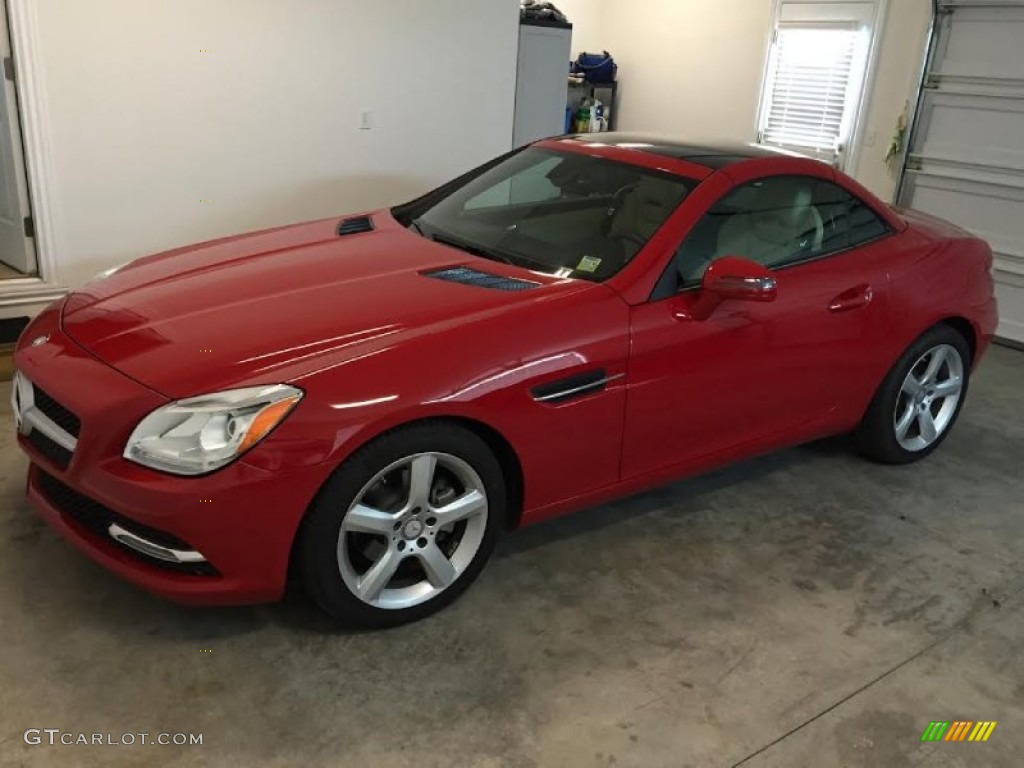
588,29
156,143
901,56
690,67
694,68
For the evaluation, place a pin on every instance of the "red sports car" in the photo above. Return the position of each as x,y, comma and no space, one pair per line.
369,403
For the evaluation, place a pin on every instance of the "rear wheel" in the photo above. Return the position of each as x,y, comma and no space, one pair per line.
919,401
404,526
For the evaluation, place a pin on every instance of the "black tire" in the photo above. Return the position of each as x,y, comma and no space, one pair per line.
876,435
317,546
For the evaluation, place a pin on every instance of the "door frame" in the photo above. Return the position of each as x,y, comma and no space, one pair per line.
33,112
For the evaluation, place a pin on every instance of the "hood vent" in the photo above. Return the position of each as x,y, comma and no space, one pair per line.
468,276
355,226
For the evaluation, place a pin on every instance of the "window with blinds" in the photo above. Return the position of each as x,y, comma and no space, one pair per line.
811,92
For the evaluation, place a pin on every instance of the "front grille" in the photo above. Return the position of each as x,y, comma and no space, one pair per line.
97,519
56,453
56,412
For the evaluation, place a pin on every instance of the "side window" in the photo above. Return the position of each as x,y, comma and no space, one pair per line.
777,221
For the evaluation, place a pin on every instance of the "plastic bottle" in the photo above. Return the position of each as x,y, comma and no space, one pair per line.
583,120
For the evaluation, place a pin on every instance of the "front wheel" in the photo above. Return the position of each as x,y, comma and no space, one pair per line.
919,401
404,526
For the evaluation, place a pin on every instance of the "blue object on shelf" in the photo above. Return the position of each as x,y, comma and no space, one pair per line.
596,67
568,119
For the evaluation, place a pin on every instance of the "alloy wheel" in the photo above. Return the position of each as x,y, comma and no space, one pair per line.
929,398
412,530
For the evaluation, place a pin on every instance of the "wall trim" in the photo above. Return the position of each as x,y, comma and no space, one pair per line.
29,298
35,126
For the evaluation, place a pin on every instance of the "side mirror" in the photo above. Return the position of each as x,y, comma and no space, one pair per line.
740,280
733,279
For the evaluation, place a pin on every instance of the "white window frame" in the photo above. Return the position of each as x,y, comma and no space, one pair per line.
867,13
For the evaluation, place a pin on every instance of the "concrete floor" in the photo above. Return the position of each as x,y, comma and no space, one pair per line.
805,609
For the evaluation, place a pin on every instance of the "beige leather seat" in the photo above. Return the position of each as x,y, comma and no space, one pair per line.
644,210
782,223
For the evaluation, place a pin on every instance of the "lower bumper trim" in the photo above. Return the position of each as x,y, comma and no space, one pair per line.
154,547
148,548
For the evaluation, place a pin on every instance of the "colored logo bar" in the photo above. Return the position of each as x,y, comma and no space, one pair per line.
958,730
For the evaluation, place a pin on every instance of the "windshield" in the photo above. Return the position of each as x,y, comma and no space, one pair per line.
566,214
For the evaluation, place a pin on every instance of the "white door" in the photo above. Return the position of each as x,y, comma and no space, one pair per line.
17,251
966,160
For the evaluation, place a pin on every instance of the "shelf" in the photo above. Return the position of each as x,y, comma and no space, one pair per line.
576,90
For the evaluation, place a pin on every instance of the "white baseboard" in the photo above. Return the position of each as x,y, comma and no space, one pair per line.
27,297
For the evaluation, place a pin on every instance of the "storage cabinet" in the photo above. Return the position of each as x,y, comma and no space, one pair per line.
542,84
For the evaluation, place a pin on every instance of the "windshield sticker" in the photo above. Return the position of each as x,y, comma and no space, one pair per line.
588,264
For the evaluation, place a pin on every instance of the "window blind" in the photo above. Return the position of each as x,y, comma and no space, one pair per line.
809,90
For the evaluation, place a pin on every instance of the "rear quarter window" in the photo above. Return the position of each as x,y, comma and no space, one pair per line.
849,221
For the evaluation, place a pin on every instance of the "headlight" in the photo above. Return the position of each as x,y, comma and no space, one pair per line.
201,434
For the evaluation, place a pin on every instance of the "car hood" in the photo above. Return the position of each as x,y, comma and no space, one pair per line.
278,305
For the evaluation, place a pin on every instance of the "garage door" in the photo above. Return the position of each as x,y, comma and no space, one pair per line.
966,160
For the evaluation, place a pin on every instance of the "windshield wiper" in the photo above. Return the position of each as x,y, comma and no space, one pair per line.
475,250
492,254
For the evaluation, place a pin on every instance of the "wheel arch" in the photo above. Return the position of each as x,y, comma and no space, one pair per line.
958,323
501,447
498,443
496,440
962,325
874,433
965,328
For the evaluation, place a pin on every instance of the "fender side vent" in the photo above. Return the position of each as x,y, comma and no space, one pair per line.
355,226
468,276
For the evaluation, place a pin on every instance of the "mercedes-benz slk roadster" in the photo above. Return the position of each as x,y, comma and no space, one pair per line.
366,403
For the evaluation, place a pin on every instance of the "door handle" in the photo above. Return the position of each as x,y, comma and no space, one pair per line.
855,298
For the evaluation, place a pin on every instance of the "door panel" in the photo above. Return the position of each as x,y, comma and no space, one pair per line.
754,372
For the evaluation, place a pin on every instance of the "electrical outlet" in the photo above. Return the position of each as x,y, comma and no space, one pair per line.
365,120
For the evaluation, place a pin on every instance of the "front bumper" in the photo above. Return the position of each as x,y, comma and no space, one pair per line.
240,521
243,532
